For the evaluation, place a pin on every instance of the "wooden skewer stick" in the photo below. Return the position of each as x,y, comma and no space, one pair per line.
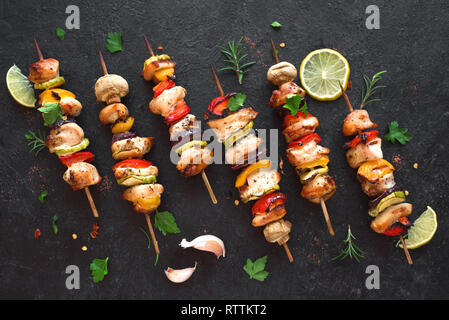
86,189
153,236
275,53
326,217
407,254
287,251
203,173
348,103
103,64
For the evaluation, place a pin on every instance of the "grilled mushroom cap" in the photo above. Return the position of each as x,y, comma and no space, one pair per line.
110,88
281,72
278,231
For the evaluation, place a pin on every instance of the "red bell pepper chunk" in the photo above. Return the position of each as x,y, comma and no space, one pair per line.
76,157
161,87
304,140
290,119
220,104
398,228
179,111
268,202
364,137
133,163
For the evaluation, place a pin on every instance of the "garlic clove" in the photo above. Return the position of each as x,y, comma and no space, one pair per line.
206,243
179,276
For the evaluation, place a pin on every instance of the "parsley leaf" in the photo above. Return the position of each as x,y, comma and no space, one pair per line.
293,102
165,222
236,101
60,33
114,42
256,269
397,134
276,25
55,224
52,113
42,196
99,269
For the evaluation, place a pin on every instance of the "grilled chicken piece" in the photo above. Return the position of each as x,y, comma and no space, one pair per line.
111,113
240,152
376,189
123,172
44,70
194,160
259,183
111,88
67,135
278,97
81,174
389,216
281,72
276,213
225,127
309,152
278,231
300,128
163,103
188,123
131,148
70,106
141,193
322,186
364,152
357,121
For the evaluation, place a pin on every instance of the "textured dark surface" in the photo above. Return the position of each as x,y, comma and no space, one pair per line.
411,44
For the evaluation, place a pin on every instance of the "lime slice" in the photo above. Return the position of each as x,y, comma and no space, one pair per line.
320,73
423,229
20,88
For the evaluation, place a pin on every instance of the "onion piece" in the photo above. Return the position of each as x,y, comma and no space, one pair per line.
206,243
180,275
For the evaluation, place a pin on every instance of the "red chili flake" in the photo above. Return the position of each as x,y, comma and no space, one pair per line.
349,85
160,48
206,116
94,233
37,234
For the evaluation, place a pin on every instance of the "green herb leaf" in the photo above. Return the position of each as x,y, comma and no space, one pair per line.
99,268
293,102
276,25
42,196
37,141
234,55
351,249
114,42
236,101
55,224
60,33
165,222
256,269
52,113
148,237
397,134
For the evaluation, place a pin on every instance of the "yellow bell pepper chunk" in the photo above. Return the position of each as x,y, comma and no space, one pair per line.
241,179
375,169
122,126
50,95
320,162
163,74
161,57
150,204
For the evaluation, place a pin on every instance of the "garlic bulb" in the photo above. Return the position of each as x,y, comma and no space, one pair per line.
181,275
206,243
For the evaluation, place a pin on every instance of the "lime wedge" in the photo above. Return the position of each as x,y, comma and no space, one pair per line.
20,88
320,73
423,229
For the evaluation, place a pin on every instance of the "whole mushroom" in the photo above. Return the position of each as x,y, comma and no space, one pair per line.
278,231
110,88
281,72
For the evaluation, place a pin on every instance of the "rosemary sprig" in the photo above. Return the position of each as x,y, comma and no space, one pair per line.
370,88
37,141
351,249
234,55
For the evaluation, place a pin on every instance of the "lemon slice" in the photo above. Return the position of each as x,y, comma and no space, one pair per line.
320,73
423,229
20,88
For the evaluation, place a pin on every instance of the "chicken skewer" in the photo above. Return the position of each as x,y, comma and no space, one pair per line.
80,175
303,152
269,210
173,107
139,175
365,154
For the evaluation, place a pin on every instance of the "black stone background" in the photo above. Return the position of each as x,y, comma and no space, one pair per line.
411,44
